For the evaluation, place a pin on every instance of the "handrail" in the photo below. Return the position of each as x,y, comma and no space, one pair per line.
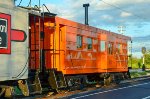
46,8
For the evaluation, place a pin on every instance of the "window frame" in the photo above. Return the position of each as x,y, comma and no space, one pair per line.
79,41
89,45
110,48
102,45
119,48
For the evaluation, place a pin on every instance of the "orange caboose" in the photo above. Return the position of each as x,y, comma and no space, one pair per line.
75,49
50,52
92,50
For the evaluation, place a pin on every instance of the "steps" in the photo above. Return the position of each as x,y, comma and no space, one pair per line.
56,79
34,85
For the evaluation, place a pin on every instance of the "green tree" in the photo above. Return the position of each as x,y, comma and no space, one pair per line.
139,64
135,62
147,58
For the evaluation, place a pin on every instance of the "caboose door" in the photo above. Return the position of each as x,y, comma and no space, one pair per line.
34,42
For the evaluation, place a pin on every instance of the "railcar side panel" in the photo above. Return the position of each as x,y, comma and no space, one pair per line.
78,49
16,62
80,59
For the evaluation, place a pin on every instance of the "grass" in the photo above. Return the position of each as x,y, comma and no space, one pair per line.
148,71
138,74
135,66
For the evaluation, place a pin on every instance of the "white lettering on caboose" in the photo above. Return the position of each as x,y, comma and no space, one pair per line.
3,28
3,25
3,33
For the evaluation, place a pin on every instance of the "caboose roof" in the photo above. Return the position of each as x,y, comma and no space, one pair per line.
87,27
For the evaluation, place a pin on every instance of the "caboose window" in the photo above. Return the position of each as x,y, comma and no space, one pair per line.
119,48
79,41
102,46
89,43
110,48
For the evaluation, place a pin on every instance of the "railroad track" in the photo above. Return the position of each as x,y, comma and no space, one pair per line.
135,79
65,93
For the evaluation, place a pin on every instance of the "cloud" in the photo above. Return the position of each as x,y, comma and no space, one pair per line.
107,17
107,14
125,14
61,11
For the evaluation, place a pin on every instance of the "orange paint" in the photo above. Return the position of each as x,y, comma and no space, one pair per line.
61,52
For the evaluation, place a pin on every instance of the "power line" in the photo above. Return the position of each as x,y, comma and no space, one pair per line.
122,9
29,3
19,2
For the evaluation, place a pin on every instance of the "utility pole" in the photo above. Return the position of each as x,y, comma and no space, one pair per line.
121,29
131,54
143,52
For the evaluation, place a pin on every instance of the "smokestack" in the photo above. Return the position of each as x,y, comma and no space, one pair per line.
86,13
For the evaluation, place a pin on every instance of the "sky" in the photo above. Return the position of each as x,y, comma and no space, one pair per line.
133,15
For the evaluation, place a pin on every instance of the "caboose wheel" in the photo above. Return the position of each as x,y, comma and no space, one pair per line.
126,75
9,92
117,79
107,81
24,87
2,91
6,92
